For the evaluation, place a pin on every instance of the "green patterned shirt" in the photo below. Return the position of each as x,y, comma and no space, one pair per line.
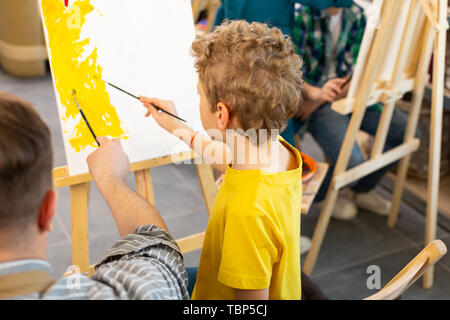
313,41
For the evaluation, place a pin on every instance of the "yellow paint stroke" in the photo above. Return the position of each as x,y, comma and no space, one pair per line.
72,71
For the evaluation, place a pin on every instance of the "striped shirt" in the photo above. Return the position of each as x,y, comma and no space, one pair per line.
146,264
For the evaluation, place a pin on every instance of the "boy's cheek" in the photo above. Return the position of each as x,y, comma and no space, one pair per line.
207,117
209,123
211,128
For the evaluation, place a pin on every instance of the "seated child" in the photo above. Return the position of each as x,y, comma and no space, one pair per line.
249,81
328,41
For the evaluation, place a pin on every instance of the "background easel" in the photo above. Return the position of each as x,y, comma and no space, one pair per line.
410,74
79,199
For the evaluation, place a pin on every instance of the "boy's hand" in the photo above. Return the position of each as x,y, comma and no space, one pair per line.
164,120
331,91
108,162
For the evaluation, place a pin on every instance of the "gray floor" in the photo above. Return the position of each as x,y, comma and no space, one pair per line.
348,249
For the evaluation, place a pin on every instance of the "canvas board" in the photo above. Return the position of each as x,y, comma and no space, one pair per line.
141,46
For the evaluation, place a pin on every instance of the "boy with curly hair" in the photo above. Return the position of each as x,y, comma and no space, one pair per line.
250,84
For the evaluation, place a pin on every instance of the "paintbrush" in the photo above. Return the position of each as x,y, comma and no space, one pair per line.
74,93
350,76
132,95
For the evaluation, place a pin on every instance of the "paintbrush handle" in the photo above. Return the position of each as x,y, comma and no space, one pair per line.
156,107
89,127
132,95
87,122
170,114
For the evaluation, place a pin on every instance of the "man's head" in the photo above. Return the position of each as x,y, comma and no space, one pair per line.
249,77
27,198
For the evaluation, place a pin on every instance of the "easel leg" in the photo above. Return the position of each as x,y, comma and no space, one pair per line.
144,185
330,200
378,49
436,132
398,190
319,232
213,6
404,163
207,183
416,104
196,9
79,195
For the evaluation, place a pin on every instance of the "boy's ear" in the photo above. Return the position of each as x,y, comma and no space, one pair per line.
223,115
47,211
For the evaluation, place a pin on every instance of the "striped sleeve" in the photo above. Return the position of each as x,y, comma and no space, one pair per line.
146,264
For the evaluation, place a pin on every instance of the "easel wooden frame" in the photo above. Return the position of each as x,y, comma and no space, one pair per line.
389,93
211,5
80,185
79,200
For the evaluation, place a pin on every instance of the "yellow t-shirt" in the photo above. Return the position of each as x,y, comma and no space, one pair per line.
253,236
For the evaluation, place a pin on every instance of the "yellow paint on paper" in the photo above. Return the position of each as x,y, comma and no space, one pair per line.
73,71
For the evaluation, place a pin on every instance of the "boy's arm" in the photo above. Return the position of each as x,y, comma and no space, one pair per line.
109,167
214,152
261,294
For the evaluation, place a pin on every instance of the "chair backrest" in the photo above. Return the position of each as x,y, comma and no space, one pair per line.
404,279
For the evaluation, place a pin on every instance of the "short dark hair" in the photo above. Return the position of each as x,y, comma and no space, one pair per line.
26,162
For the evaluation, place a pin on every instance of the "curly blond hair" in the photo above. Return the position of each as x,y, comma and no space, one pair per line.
254,70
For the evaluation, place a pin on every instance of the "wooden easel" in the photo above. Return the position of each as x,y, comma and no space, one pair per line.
406,78
211,5
80,185
79,198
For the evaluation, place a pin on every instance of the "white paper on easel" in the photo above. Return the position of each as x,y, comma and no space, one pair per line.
390,57
142,46
373,12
